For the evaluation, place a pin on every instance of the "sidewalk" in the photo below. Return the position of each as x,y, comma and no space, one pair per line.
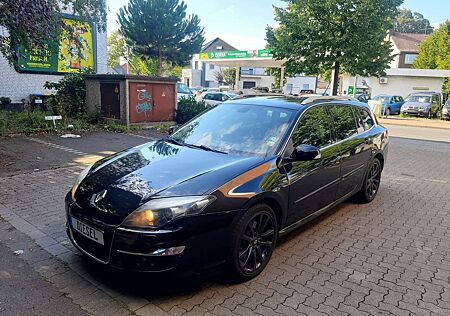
416,122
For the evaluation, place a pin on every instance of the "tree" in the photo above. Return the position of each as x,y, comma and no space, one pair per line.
347,35
160,29
411,22
226,75
434,52
137,65
32,22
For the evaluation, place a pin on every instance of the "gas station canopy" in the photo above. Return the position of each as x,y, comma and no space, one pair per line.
245,58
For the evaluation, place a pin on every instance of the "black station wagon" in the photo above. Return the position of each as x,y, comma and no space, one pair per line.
222,188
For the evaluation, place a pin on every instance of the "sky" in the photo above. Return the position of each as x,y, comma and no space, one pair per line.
242,23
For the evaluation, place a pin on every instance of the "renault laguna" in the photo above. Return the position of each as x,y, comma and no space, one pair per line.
225,186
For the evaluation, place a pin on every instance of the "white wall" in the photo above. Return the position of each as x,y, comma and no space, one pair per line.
18,86
401,85
299,83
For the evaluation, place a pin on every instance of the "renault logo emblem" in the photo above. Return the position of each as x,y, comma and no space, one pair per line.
97,197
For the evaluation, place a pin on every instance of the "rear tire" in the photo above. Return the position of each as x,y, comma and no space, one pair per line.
371,183
253,240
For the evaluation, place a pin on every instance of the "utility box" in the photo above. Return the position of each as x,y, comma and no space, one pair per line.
132,99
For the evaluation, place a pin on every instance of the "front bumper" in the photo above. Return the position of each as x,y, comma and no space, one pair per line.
446,116
414,112
205,240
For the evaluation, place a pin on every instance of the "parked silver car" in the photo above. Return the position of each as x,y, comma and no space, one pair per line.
426,104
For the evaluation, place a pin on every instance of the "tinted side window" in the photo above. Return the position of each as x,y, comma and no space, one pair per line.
359,120
314,128
344,121
366,118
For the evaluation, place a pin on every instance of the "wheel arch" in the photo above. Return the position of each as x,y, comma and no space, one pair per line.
275,202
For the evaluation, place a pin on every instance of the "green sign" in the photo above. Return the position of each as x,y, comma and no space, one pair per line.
238,54
350,90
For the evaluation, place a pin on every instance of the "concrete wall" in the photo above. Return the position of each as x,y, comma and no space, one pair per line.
299,83
402,85
19,86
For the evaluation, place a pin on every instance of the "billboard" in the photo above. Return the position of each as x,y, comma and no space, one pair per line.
73,52
238,54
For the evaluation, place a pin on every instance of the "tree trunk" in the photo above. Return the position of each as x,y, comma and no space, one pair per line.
159,67
335,78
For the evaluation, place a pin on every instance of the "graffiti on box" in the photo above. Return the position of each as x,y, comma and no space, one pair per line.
144,102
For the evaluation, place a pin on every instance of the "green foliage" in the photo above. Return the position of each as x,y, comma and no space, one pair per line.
70,97
226,76
434,52
5,100
187,109
137,65
347,35
32,22
411,22
170,35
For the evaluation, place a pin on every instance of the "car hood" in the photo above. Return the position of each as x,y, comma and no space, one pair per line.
416,104
157,169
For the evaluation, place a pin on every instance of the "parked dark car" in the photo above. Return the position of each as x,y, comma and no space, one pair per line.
390,104
226,185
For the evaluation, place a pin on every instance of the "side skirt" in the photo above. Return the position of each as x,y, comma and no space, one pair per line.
314,215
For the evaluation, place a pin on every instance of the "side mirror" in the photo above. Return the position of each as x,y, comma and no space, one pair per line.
305,153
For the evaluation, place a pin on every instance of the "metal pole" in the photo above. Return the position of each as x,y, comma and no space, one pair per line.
236,79
354,85
281,78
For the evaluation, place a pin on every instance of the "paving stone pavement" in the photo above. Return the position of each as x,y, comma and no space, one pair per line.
390,257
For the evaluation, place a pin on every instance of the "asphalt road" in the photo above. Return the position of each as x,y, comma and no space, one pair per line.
422,133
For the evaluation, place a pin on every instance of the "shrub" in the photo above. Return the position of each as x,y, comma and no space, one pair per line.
187,109
5,100
70,97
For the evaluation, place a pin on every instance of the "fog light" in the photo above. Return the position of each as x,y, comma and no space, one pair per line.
172,251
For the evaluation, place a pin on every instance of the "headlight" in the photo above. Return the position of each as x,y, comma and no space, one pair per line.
444,110
80,178
158,212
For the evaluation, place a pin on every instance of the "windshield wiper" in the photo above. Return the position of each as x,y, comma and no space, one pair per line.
174,141
203,147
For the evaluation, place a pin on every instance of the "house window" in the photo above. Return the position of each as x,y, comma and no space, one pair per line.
409,58
305,86
211,67
219,47
196,65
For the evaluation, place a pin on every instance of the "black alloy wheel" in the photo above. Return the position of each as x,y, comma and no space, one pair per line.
371,182
254,239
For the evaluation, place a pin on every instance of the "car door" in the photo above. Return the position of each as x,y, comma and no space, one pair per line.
354,144
313,184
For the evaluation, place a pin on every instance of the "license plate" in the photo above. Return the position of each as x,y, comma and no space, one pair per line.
88,231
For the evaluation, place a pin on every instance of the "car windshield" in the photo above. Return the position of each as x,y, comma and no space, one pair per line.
382,98
182,88
252,130
419,98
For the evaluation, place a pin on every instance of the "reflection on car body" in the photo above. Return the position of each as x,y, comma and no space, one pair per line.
226,185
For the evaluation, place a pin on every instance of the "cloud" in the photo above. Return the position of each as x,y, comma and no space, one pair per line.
436,24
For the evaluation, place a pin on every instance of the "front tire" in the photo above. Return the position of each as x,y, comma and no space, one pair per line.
371,182
253,240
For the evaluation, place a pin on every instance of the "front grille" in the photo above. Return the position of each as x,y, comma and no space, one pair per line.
100,252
